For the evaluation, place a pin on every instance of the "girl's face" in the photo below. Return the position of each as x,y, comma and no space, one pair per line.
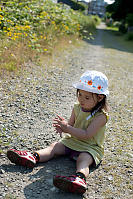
87,100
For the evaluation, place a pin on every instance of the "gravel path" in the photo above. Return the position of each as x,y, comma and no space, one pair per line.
30,102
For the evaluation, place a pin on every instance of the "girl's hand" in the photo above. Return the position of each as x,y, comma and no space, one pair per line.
60,124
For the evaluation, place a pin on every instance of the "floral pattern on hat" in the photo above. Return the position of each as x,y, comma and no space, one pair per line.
93,81
90,83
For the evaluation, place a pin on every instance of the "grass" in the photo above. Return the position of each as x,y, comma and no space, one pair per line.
112,28
121,38
9,196
33,28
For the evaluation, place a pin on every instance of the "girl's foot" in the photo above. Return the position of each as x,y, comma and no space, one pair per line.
23,158
72,184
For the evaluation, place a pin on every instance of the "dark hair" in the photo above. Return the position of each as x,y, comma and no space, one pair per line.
100,105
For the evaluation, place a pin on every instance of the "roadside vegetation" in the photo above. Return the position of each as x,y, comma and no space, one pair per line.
119,16
29,29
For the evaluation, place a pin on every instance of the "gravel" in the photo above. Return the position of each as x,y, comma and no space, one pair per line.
29,102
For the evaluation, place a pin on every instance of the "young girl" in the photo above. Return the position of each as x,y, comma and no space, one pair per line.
84,134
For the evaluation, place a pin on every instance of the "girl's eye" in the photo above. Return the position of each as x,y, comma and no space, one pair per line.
87,98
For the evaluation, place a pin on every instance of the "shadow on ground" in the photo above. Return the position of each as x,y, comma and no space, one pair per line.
42,181
110,39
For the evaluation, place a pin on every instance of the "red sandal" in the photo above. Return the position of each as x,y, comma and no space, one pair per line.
72,184
23,158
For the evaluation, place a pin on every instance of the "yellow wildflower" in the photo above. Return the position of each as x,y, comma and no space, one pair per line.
27,27
44,13
66,27
26,34
53,22
9,34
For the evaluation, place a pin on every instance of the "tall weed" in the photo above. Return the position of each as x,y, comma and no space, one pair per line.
37,25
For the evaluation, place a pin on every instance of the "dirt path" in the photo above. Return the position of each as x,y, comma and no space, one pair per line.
30,102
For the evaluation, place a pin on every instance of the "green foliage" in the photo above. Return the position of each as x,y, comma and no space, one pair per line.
122,28
129,19
129,36
27,25
74,4
119,9
39,21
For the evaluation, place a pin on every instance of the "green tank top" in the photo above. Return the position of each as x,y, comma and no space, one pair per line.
94,145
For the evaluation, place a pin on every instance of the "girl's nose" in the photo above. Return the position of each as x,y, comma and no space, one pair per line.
82,100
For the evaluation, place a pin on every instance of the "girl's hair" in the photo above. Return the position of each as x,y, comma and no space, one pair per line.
100,105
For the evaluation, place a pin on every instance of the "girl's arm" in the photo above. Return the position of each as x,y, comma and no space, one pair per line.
92,129
72,119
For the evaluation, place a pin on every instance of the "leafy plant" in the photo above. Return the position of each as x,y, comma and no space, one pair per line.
37,25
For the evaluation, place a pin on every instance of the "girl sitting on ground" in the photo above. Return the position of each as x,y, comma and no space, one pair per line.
84,134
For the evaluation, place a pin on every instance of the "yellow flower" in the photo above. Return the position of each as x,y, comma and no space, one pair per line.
9,34
44,13
66,27
45,49
26,34
27,27
44,37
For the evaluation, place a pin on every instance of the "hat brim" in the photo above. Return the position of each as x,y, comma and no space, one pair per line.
84,87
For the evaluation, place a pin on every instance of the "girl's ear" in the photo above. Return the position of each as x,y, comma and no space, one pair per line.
100,98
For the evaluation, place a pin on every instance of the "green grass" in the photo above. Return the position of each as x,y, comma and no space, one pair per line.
112,28
122,38
31,28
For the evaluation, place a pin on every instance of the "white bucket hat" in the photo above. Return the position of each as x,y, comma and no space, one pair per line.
93,81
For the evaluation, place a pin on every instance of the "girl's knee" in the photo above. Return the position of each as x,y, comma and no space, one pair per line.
85,157
57,148
53,145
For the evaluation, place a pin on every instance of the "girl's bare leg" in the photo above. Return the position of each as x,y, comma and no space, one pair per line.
83,162
48,153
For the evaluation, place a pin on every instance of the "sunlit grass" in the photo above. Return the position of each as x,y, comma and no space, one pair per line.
112,28
32,28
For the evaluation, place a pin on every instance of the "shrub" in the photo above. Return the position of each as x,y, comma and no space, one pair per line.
73,4
122,28
116,24
36,25
129,19
129,36
38,20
